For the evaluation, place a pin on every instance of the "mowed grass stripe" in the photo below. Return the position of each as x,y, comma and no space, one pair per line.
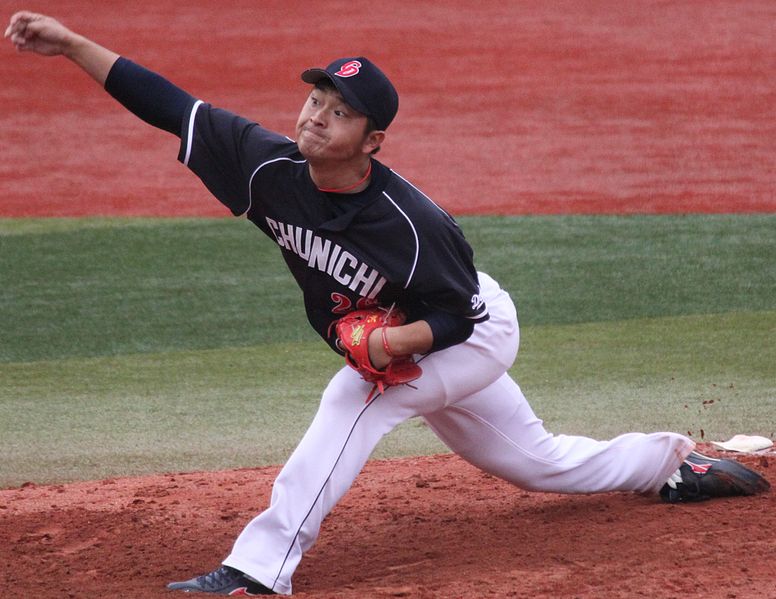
207,409
105,287
90,418
708,376
98,287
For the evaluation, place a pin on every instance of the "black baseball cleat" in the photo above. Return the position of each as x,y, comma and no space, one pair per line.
224,581
701,477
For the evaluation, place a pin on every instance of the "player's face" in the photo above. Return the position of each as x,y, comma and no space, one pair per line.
330,130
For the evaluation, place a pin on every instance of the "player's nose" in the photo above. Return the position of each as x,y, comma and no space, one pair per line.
318,117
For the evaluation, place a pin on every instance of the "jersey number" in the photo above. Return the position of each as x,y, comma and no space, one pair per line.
343,304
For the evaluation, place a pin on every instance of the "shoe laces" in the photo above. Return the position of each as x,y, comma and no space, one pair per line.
217,578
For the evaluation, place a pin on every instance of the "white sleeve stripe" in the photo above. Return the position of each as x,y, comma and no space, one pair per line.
190,133
417,242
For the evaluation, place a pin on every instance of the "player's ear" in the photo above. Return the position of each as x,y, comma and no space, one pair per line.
372,141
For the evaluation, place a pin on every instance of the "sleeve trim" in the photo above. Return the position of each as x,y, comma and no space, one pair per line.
190,132
481,316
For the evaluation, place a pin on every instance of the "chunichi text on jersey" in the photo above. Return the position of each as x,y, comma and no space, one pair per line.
329,257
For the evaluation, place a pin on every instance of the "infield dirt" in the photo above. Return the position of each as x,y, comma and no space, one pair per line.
429,527
544,108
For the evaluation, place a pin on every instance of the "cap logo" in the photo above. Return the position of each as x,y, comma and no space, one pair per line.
349,69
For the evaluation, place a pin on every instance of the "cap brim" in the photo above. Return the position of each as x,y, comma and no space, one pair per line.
313,76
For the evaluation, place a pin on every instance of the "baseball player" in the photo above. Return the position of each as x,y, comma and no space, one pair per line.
388,281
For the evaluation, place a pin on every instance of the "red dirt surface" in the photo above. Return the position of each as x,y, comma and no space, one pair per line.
430,527
521,108
592,107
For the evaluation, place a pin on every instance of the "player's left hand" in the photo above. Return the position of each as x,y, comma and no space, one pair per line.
358,334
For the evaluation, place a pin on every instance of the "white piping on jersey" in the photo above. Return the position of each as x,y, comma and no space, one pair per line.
258,168
438,207
484,309
190,132
417,241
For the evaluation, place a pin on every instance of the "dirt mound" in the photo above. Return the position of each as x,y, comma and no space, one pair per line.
417,527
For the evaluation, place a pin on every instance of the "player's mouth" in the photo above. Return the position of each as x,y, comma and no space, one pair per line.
314,133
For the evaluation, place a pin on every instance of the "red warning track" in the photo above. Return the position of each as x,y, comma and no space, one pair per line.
529,108
506,107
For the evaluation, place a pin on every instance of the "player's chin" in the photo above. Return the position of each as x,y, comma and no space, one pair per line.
309,145
314,151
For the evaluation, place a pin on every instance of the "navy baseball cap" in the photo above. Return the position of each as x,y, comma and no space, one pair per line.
363,85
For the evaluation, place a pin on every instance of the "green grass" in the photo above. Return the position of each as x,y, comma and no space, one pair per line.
204,409
708,376
602,268
137,346
101,287
112,287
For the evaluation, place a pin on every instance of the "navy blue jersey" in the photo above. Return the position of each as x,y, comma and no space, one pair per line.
389,244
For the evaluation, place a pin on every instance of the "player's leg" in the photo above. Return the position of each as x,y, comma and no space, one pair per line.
496,430
324,465
346,430
330,455
333,450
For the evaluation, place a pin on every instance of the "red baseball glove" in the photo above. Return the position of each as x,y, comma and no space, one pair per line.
353,332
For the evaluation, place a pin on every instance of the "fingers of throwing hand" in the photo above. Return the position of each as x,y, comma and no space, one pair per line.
18,29
17,23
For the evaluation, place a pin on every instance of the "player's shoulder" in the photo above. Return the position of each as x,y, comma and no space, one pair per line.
414,203
218,121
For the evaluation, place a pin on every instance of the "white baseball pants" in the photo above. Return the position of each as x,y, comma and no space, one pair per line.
471,403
